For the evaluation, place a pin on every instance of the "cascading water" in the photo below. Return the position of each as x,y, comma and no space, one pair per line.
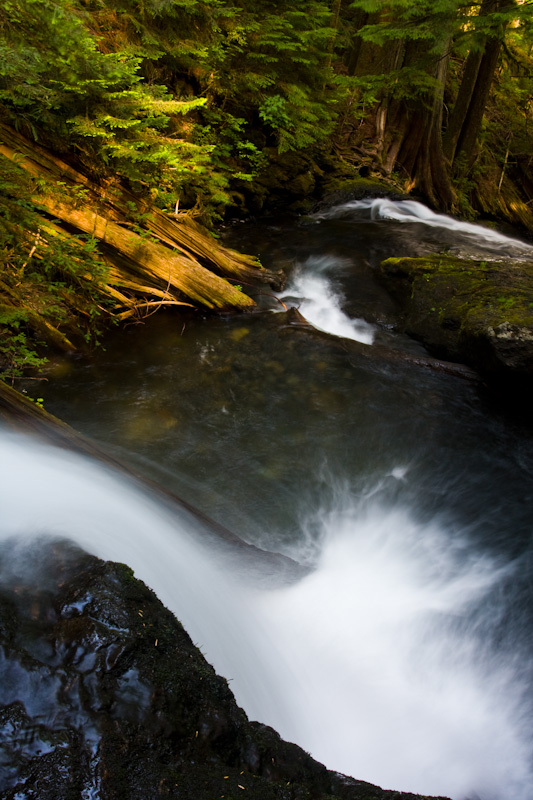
410,211
402,658
378,662
312,291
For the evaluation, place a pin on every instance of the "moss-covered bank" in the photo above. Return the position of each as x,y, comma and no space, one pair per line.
476,312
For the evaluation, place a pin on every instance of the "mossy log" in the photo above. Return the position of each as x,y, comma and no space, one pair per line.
153,262
60,341
173,254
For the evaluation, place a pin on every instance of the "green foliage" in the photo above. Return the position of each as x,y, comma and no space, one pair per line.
56,79
273,111
246,59
179,97
408,20
44,275
187,99
277,66
17,355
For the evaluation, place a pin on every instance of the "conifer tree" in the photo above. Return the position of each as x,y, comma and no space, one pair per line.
58,84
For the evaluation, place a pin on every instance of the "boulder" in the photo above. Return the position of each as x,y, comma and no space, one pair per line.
476,312
104,695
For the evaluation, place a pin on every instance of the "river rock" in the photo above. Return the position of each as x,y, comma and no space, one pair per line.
476,312
103,695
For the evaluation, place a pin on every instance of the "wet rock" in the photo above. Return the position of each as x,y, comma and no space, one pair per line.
477,312
103,695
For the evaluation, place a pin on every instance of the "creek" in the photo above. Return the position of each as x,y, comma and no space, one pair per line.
404,656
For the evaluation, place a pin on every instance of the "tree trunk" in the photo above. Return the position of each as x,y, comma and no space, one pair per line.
155,263
353,51
462,104
434,179
466,118
375,59
474,117
335,13
367,58
416,144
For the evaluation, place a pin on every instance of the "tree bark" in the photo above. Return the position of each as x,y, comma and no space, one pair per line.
462,104
156,264
369,58
353,51
474,117
434,179
466,118
416,144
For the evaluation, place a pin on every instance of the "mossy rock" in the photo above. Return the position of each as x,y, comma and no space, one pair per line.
477,312
339,188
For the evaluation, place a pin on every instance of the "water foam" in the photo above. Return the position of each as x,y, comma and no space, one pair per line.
384,683
410,211
370,662
311,290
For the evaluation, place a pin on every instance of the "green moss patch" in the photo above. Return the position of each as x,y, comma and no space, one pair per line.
479,312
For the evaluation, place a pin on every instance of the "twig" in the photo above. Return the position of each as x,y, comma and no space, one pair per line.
165,302
157,303
503,168
266,294
32,251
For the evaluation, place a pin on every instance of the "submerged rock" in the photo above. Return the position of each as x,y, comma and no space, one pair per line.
103,695
477,312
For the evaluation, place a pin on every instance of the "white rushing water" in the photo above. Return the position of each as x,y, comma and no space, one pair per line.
312,288
363,662
410,211
311,291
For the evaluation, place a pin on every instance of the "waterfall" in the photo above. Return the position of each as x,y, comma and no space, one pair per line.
381,662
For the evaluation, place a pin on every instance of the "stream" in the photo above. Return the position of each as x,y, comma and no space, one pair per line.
404,655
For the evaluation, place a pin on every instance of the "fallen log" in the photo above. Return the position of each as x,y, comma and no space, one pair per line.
10,300
156,264
115,203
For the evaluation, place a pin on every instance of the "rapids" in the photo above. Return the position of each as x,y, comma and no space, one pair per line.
404,657
412,212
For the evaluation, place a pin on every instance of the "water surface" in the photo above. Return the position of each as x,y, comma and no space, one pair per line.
404,657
